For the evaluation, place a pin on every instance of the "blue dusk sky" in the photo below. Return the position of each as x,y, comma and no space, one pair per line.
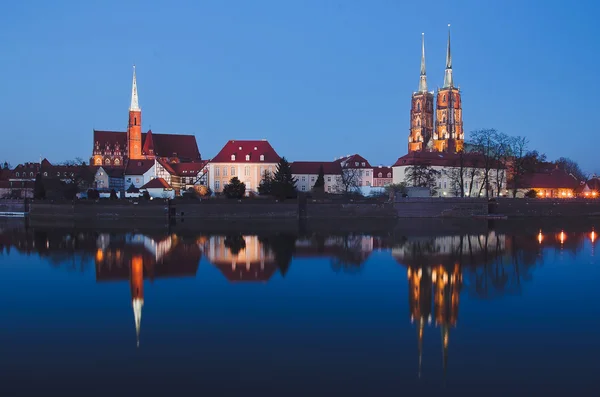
318,78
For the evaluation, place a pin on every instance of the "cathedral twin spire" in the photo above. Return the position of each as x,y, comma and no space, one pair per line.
448,80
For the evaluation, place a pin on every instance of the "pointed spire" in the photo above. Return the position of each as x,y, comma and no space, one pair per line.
423,80
148,148
137,316
448,81
134,94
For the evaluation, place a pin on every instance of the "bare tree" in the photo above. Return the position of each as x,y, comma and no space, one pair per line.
502,152
518,161
348,181
571,167
484,142
422,175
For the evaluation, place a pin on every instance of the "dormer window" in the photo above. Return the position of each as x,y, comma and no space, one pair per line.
363,164
389,174
17,174
58,174
356,164
31,174
262,157
45,174
247,157
233,157
379,175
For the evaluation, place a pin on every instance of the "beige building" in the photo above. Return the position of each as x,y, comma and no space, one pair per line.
246,160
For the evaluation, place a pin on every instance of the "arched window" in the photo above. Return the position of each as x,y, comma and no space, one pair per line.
17,174
418,123
45,174
262,157
379,175
31,174
117,162
418,106
444,119
233,157
107,161
247,157
98,161
389,174
444,98
58,173
135,121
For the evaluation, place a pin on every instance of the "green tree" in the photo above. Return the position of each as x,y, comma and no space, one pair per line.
319,186
265,187
235,188
284,184
39,191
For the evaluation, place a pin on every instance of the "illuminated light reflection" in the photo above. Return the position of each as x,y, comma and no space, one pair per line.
540,237
593,236
563,237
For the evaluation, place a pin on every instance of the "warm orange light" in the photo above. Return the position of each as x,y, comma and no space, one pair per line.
564,194
587,194
593,236
99,255
594,194
540,193
563,237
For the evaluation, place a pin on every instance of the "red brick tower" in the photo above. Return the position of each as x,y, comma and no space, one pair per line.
421,111
449,135
134,127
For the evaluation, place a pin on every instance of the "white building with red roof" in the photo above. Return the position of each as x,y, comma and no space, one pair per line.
158,188
382,176
307,172
358,167
248,160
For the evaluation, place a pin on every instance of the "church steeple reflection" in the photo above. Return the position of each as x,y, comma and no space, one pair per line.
137,292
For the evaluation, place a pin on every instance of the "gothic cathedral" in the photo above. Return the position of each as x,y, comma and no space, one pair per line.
448,135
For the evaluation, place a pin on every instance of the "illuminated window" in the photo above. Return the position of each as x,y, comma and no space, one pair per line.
117,161
45,174
107,161
233,157
262,157
379,175
247,157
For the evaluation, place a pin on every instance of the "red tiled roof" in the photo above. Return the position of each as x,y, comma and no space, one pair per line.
312,167
157,183
166,166
189,169
183,147
351,160
112,172
441,159
242,148
557,179
384,171
138,167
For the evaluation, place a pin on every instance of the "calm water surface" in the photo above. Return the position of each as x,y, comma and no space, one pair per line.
88,313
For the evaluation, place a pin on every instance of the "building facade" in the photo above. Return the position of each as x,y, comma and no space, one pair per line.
448,134
115,148
382,176
247,160
307,172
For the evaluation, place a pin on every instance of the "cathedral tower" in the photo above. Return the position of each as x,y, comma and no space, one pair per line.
449,135
421,111
134,127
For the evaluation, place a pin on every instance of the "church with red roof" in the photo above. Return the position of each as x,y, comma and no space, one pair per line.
115,148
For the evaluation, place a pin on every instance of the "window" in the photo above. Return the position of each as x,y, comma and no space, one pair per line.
368,183
135,121
98,161
303,188
107,161
262,157
328,179
329,188
247,171
379,175
247,157
224,171
31,174
17,174
58,174
444,184
363,164
303,178
312,178
418,106
389,174
217,171
233,157
418,123
367,173
361,172
439,185
46,174
128,179
444,98
356,164
232,171
217,185
117,162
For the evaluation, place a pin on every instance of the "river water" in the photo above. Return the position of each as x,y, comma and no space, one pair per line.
497,311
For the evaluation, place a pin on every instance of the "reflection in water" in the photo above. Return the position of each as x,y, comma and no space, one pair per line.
439,268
